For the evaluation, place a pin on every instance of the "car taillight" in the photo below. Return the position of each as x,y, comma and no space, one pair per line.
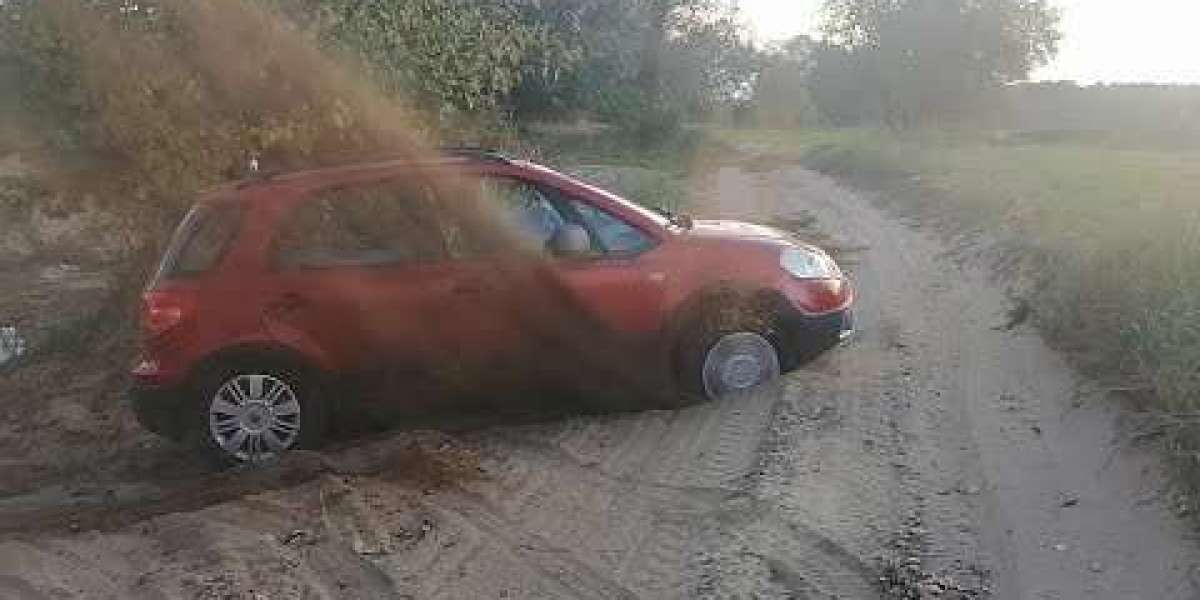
163,311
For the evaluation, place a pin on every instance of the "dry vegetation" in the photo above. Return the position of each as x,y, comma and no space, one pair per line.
1101,238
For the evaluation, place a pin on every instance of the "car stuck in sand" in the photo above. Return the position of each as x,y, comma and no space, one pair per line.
277,292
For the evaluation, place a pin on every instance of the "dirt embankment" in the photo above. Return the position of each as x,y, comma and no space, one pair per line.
938,456
61,413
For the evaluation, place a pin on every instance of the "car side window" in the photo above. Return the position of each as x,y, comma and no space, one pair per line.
612,235
380,223
524,210
534,215
203,239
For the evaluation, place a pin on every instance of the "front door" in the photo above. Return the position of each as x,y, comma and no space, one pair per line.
580,317
620,283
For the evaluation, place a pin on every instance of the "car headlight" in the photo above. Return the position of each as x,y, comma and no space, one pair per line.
808,263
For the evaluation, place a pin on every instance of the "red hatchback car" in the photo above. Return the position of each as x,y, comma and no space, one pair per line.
275,291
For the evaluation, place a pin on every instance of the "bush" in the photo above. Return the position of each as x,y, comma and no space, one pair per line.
163,99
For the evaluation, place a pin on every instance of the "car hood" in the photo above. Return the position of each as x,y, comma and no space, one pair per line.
738,231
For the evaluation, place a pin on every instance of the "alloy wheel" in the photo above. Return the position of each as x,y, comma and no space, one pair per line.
254,417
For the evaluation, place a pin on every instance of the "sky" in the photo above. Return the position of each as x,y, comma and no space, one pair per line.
1112,41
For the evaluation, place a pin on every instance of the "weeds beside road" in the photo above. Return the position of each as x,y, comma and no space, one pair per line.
1100,242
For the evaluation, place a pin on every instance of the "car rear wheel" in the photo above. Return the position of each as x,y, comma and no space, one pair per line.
255,412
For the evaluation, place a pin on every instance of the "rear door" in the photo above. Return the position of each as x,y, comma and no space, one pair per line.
361,275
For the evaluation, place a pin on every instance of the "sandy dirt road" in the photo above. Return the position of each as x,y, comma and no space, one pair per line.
934,457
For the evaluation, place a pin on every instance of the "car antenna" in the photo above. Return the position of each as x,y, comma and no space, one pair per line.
254,172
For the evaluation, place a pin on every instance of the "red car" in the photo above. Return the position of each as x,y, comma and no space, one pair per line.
277,294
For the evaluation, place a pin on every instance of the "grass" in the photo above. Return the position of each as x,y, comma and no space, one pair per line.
1101,237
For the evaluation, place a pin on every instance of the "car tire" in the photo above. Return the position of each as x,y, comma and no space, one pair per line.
252,411
729,349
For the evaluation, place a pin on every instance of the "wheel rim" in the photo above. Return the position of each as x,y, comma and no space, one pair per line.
254,417
739,362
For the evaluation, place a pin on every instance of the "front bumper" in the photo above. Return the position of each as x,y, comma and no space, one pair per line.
802,337
159,410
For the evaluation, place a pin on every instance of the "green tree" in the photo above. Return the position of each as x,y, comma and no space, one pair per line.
782,96
447,55
708,62
605,37
931,59
643,64
693,58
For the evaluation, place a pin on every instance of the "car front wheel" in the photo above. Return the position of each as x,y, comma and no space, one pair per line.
253,414
738,362
727,350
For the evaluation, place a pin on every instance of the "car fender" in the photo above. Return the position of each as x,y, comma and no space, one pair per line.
721,292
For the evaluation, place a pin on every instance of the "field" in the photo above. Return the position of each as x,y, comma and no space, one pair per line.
1097,239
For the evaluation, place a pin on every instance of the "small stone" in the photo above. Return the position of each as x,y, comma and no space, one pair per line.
1060,547
362,548
1095,567
1069,500
298,537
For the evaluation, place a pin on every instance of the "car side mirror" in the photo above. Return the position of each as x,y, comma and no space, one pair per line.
682,221
570,241
679,220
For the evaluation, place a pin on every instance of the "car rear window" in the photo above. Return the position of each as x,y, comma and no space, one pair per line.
201,240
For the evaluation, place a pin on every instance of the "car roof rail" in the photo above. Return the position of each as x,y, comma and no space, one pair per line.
475,152
256,176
